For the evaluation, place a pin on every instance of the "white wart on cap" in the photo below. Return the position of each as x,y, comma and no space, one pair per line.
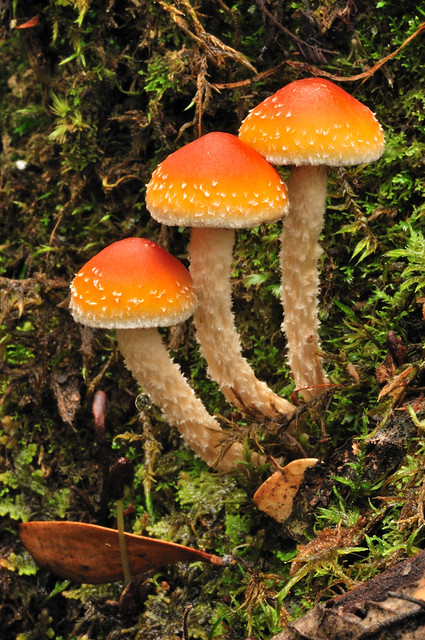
312,124
132,283
216,181
315,122
217,184
135,286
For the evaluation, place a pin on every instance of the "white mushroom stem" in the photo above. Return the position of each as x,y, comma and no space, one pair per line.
211,255
300,251
148,360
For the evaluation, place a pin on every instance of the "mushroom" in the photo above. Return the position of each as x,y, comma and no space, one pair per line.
276,495
216,184
310,123
135,286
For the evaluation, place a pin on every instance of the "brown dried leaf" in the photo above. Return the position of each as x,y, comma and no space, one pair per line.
276,495
65,388
88,553
385,370
327,541
398,385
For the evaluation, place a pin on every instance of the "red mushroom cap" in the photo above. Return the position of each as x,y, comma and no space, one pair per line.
216,181
132,283
315,122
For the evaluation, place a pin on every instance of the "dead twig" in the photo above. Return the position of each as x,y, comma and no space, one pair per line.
315,71
314,52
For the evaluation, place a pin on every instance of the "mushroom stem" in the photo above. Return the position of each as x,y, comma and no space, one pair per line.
211,255
148,360
300,251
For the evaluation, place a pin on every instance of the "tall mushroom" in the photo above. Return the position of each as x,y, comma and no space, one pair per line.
311,123
216,184
135,286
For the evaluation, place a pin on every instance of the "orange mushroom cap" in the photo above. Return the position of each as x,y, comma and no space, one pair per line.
315,122
216,181
132,283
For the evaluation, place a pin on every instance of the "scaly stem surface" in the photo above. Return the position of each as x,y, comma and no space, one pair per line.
211,256
300,251
148,360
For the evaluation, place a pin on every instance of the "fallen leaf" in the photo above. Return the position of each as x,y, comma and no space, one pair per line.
352,371
276,495
327,542
91,554
398,385
33,22
65,387
385,370
419,593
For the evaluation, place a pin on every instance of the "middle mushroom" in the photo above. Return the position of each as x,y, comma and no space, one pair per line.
217,184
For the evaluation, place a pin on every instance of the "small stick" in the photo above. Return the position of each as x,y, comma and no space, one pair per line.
123,547
184,621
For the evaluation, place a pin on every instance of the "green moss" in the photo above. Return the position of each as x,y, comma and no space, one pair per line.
91,100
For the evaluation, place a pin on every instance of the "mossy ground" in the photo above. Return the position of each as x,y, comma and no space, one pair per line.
93,96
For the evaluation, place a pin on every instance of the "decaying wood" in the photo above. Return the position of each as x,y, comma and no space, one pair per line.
386,607
383,451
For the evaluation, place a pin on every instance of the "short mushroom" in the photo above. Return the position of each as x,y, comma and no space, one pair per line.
135,286
215,185
310,123
276,495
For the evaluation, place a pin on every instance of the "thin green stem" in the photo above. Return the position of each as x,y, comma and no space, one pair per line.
123,547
